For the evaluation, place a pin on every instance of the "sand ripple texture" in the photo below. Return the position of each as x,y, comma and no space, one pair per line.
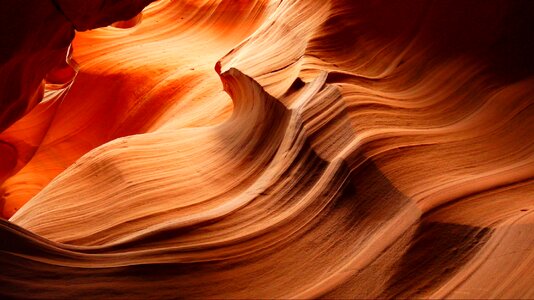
267,149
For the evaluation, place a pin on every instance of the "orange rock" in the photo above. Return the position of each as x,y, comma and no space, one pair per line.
276,149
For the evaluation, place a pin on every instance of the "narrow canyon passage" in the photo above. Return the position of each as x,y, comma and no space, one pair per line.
223,149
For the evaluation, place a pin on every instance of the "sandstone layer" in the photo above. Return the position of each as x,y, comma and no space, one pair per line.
267,149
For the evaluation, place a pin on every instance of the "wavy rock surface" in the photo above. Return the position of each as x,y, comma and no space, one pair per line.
340,149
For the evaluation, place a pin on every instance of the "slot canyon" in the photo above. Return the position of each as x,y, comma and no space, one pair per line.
266,149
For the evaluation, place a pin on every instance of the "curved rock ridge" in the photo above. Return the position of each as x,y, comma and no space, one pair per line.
340,149
133,96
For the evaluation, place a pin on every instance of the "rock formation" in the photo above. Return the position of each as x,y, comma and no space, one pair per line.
266,149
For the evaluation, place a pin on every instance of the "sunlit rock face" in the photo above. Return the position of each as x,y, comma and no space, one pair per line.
266,149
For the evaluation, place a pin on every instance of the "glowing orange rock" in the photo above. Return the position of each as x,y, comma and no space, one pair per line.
278,149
